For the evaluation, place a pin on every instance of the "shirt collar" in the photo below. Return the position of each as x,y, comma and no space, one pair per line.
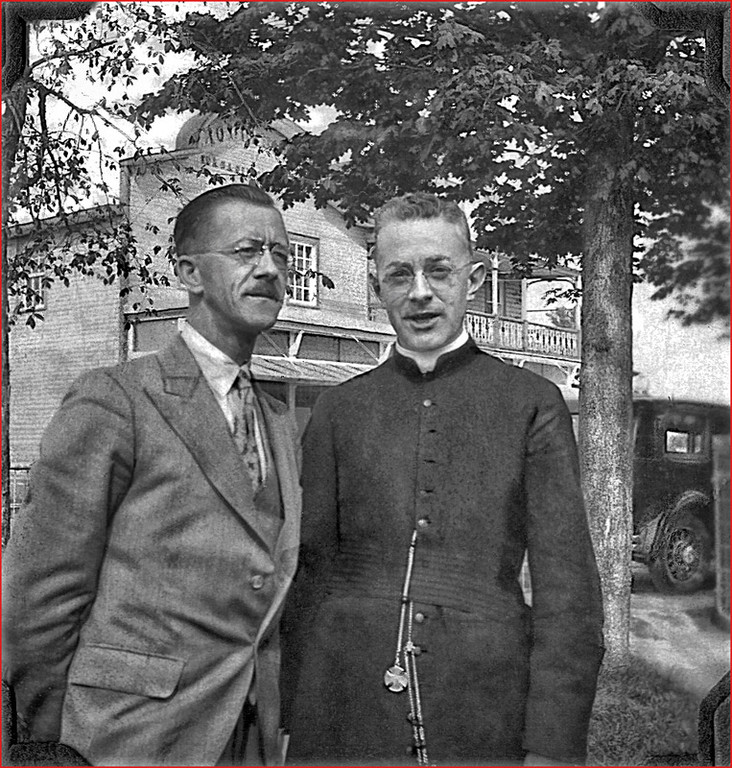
219,370
426,361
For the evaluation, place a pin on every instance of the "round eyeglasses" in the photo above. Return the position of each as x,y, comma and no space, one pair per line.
251,254
400,280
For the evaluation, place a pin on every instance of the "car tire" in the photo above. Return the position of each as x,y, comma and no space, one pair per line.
682,561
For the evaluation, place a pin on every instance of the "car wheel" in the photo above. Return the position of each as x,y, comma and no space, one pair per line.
682,561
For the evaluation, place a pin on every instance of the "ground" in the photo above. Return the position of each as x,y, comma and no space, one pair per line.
681,636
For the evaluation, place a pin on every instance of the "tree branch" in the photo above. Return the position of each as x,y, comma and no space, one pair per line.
202,49
66,55
87,111
45,144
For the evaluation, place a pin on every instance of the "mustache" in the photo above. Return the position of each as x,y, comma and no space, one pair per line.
264,291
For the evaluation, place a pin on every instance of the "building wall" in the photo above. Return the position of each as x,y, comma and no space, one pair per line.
512,304
509,298
81,330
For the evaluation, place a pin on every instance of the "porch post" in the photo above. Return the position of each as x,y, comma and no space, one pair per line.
494,285
524,323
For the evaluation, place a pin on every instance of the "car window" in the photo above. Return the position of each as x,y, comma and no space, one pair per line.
683,442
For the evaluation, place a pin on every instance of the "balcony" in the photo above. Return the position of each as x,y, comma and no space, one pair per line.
502,333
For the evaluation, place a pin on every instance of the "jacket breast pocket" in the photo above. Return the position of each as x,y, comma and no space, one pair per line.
118,669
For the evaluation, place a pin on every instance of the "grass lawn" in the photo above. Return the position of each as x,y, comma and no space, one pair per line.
639,713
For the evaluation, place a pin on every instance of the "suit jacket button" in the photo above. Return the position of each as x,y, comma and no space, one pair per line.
257,581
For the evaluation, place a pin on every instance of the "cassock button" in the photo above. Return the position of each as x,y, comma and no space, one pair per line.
427,403
423,522
419,618
257,581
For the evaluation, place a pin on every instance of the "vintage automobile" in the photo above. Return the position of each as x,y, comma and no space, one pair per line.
673,496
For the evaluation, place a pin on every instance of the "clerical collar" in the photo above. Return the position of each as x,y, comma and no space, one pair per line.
426,361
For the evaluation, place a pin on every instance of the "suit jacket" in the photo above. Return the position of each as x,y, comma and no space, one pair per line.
480,458
141,598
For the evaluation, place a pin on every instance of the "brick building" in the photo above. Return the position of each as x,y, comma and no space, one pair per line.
323,336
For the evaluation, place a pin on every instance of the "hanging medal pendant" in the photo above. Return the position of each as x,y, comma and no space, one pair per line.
395,679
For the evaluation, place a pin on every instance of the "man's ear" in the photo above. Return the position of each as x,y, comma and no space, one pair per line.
188,273
375,284
476,278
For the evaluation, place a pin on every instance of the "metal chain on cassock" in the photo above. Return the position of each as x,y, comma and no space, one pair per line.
403,675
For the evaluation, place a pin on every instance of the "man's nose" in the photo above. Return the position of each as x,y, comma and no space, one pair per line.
420,289
267,267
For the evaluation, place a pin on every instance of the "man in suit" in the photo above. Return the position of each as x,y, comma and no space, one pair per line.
425,481
146,574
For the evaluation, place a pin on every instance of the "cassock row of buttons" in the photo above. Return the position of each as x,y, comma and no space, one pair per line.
426,428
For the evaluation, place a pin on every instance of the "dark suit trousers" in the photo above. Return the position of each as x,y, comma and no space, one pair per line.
243,747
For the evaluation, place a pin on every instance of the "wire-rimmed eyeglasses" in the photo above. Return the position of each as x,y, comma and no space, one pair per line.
251,254
401,279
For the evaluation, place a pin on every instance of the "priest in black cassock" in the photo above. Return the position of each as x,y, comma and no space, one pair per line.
425,480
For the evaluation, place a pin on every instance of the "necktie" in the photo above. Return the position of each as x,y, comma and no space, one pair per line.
245,435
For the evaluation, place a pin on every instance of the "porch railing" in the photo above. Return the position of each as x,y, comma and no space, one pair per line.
504,333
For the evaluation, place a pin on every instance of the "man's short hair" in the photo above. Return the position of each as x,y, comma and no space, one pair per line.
189,219
421,205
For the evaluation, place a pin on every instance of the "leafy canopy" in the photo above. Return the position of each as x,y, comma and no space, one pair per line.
502,105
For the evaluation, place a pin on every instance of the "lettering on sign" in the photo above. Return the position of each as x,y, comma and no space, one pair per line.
211,161
218,133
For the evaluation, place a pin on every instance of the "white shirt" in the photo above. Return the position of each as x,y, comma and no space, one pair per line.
427,360
220,372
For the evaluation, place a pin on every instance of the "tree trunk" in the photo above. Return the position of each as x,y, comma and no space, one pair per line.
5,393
13,118
605,404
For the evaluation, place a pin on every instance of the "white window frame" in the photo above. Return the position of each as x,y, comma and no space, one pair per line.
304,256
36,284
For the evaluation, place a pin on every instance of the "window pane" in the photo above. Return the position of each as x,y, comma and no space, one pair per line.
304,257
38,300
316,347
272,343
353,351
677,442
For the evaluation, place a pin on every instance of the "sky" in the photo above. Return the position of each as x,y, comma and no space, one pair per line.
675,360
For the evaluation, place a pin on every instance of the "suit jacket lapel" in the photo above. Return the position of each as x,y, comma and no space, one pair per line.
190,408
284,446
283,443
